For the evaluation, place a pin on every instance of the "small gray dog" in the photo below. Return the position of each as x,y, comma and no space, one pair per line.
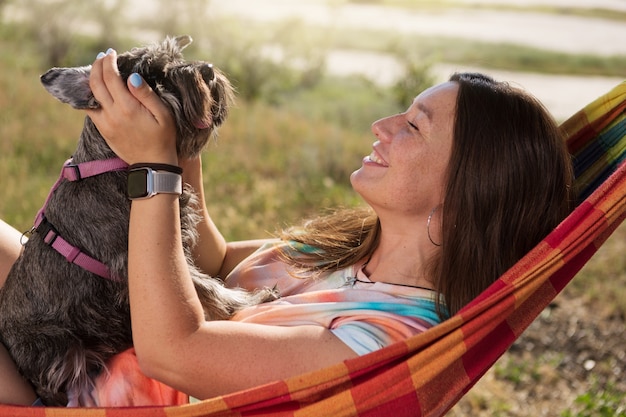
60,321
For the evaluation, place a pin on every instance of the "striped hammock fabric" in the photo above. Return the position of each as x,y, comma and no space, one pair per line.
428,373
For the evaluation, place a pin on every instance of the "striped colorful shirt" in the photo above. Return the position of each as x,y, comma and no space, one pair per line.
363,314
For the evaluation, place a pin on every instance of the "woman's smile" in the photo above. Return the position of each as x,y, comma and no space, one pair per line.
375,158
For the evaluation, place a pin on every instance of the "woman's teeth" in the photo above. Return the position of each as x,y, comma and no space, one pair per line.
376,159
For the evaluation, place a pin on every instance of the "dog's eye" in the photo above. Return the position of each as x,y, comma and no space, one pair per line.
207,72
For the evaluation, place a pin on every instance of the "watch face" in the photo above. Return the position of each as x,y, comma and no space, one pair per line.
138,183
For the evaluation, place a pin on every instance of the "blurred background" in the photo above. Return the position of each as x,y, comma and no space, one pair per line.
311,76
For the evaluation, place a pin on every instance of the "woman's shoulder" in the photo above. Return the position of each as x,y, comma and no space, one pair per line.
267,267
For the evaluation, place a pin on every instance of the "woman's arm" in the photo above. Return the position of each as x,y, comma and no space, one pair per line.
13,388
173,341
210,250
212,253
10,249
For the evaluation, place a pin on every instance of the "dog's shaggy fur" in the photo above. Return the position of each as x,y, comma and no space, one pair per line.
60,322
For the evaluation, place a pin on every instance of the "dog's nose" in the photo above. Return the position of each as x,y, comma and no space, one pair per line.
207,72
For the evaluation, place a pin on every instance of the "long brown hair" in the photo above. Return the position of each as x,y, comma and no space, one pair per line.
508,185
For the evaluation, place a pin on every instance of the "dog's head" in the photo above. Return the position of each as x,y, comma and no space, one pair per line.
197,94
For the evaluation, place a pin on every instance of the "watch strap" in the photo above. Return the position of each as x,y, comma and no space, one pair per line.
167,182
157,167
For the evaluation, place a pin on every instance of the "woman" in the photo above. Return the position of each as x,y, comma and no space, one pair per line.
13,389
460,186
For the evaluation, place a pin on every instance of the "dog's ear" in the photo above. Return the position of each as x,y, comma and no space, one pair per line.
193,103
183,41
71,86
199,98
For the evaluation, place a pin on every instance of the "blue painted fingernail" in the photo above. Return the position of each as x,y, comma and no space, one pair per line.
100,55
110,50
135,79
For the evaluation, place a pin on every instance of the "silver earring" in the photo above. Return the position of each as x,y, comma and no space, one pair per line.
430,216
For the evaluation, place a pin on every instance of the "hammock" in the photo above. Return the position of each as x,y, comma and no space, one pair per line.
428,373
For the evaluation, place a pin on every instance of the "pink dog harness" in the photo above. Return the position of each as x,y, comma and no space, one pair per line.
73,254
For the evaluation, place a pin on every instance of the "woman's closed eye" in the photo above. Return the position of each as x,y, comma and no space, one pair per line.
413,126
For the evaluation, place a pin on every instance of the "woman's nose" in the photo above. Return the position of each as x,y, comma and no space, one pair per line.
382,128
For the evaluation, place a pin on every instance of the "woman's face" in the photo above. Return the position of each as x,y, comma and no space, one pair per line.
405,173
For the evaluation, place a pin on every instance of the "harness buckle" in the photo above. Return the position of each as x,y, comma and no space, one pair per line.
47,231
73,173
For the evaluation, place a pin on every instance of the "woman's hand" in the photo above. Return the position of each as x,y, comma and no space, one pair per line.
134,121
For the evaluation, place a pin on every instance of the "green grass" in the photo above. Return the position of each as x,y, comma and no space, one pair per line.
36,135
271,167
600,402
602,282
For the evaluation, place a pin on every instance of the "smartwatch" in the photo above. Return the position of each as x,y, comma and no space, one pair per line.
145,182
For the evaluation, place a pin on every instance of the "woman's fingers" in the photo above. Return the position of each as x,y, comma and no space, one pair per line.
111,76
96,83
133,120
150,101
